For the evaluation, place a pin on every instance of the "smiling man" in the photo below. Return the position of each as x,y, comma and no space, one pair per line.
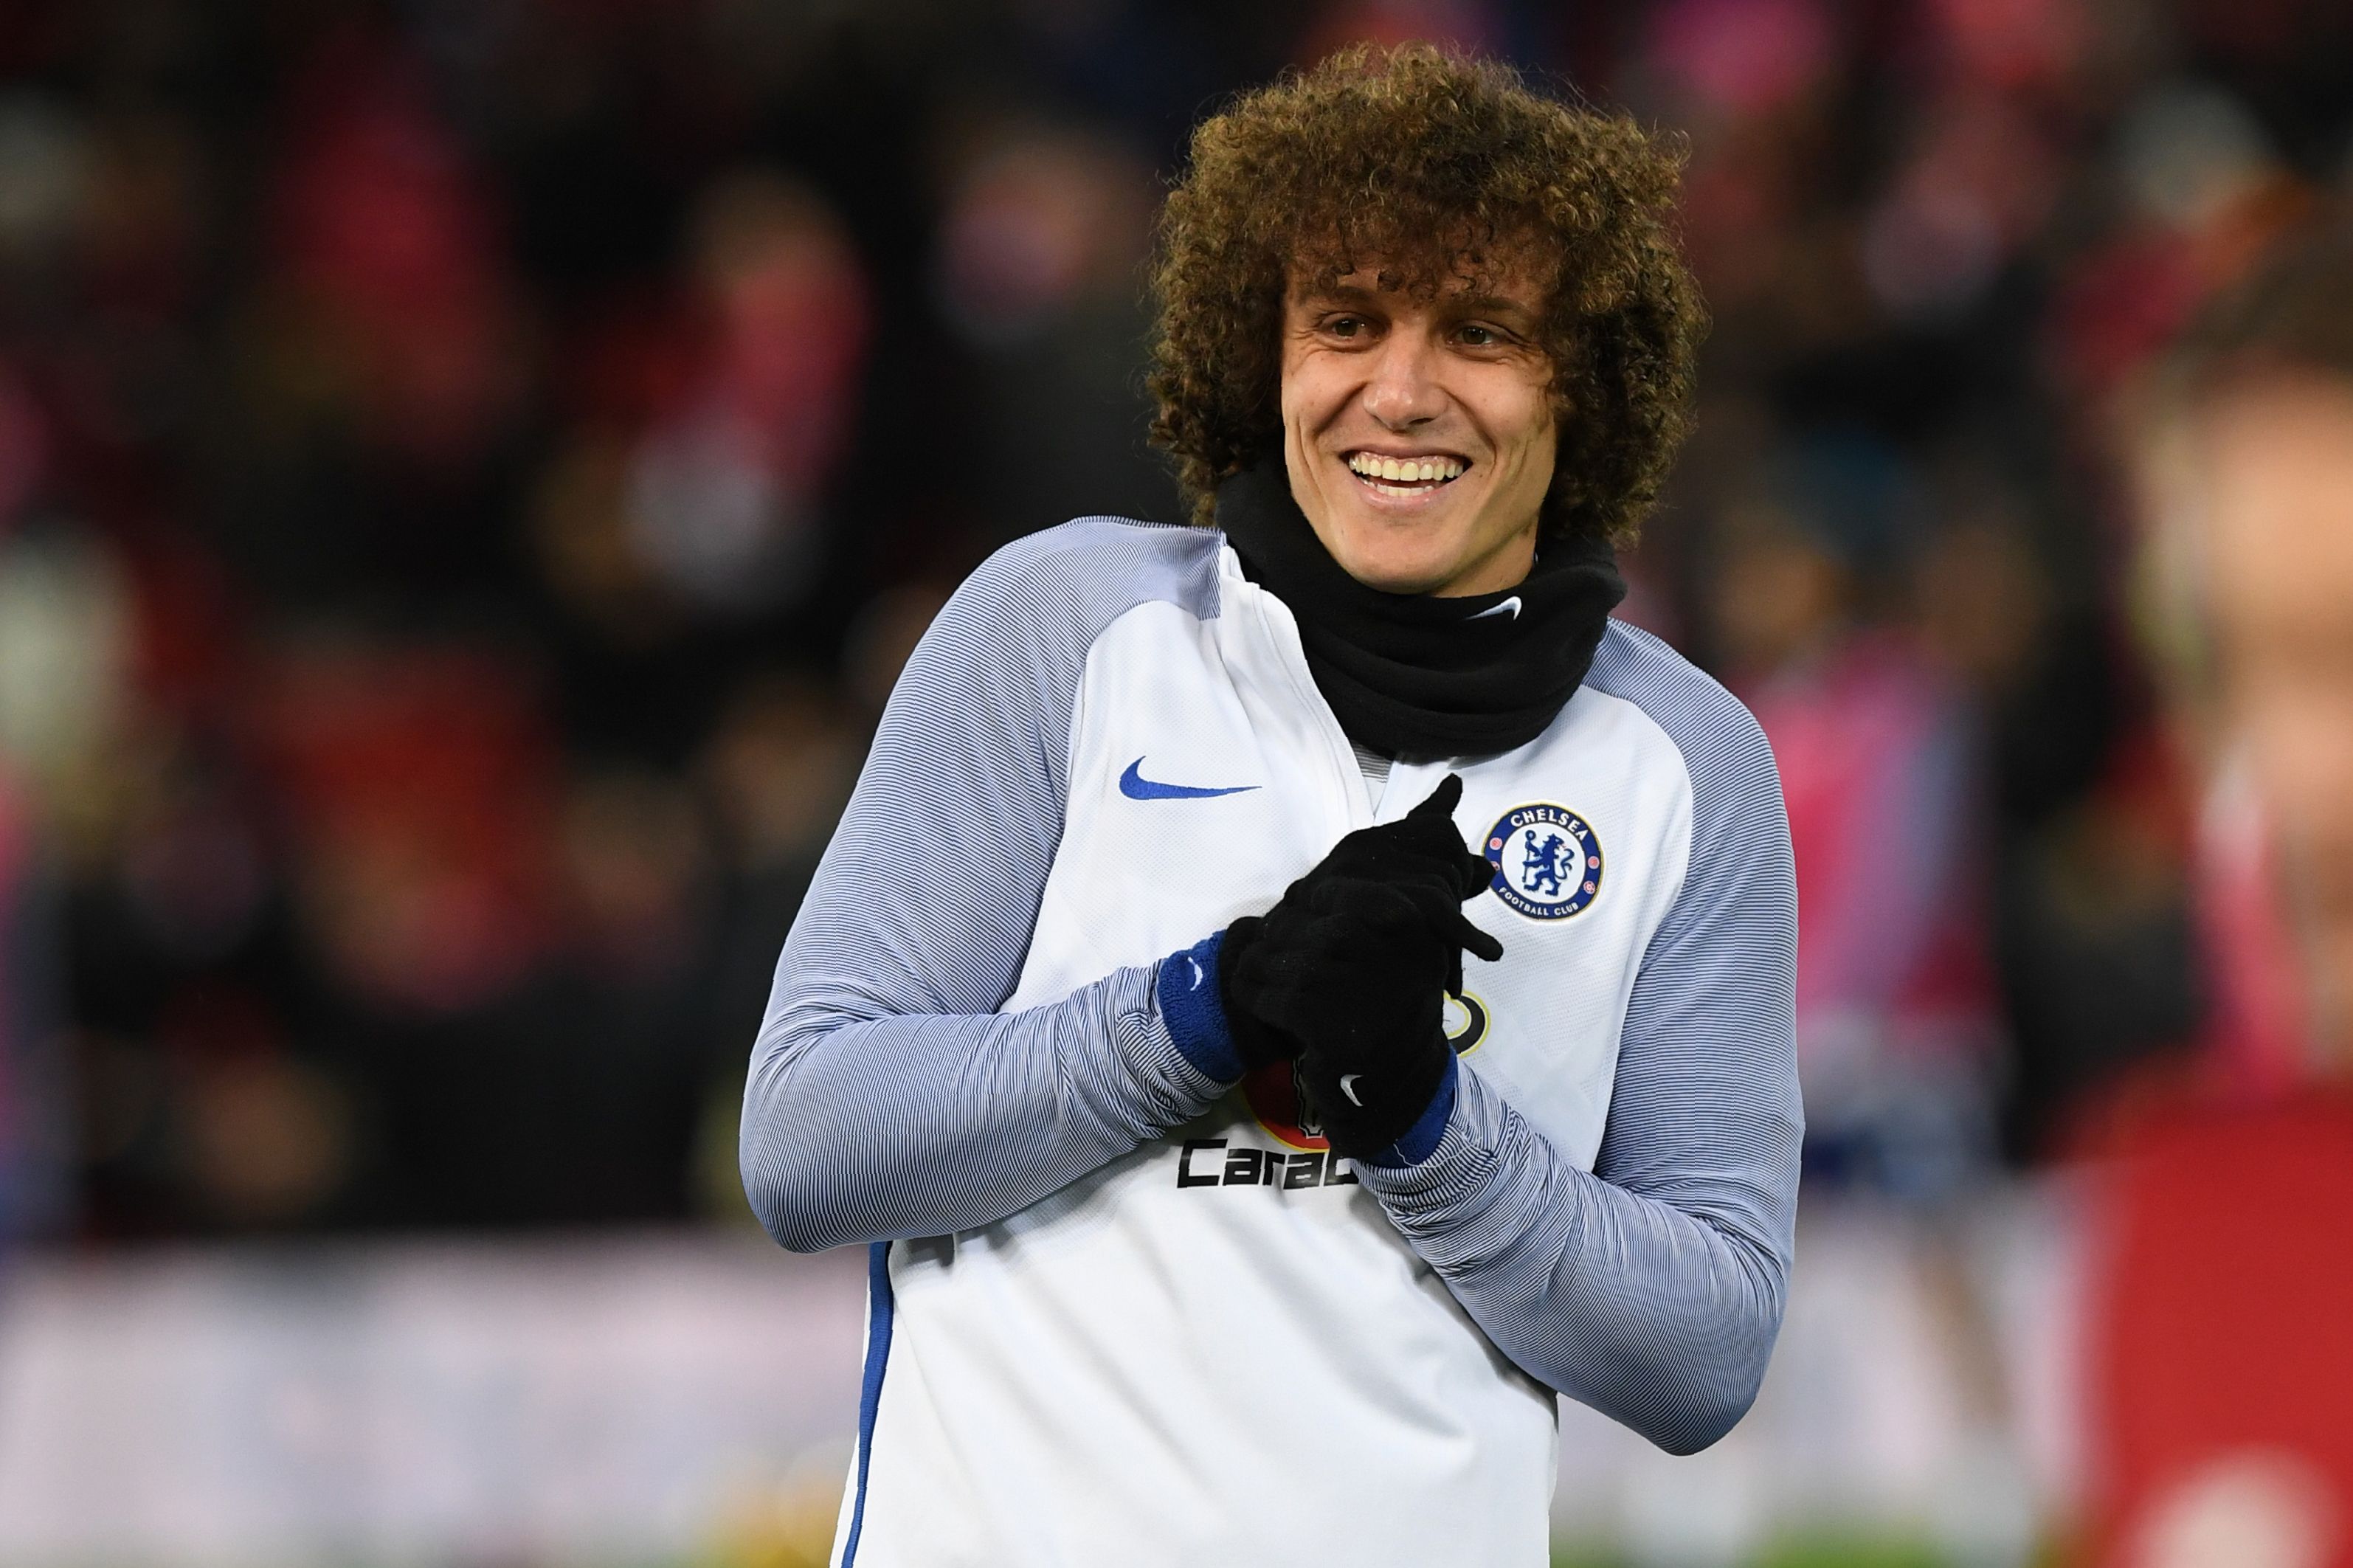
1417,433
1294,996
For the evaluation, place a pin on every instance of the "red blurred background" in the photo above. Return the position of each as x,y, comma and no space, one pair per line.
469,473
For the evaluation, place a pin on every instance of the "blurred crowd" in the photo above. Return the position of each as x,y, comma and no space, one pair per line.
471,470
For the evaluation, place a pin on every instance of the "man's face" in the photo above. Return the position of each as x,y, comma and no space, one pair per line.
1419,433
2274,519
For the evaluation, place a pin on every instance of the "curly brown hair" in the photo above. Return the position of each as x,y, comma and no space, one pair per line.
1432,166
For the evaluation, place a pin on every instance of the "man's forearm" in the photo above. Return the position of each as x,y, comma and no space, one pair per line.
859,1129
1658,1314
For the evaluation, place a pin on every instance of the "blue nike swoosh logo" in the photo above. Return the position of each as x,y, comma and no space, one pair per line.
1135,787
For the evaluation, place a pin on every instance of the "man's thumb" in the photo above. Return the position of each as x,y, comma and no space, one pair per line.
1443,800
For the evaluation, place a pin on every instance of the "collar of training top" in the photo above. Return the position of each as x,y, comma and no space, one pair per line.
1415,677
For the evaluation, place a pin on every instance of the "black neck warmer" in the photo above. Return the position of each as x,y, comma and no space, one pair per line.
1421,678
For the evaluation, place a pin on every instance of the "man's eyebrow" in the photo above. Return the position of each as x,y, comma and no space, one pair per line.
1489,305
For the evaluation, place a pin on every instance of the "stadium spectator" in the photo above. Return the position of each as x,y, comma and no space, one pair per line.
2223,1364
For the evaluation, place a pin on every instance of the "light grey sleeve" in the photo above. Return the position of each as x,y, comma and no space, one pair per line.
1652,1288
887,1096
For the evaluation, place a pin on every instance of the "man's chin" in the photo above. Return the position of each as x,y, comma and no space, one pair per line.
1393,555
1394,573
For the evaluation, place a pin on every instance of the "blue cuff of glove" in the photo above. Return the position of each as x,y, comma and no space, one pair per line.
1195,1011
1420,1140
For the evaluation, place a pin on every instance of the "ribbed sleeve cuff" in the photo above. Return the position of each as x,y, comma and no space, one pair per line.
1194,1011
1455,1180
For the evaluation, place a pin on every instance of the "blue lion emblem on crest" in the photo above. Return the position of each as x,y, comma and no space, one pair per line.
1540,872
1547,861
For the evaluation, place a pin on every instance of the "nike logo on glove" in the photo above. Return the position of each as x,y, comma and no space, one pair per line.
1135,787
1349,1088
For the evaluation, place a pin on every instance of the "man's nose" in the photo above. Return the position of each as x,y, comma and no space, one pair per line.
1403,391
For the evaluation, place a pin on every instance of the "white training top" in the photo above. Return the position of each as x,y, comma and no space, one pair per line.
1125,1309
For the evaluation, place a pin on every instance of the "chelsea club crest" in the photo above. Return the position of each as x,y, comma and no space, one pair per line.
1547,861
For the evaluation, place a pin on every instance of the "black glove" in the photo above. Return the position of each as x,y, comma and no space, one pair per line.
1346,972
1256,1042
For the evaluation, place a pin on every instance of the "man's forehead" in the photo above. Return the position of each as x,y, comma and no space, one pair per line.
1481,284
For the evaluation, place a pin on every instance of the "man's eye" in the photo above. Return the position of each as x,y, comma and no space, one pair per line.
1345,326
1479,337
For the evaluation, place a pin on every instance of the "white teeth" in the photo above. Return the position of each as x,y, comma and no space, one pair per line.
1408,470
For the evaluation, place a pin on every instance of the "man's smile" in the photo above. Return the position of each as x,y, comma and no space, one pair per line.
1405,475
